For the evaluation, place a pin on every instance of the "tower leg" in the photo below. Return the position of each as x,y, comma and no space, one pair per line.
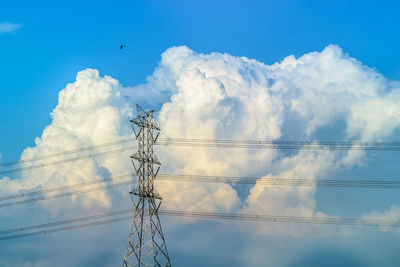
146,244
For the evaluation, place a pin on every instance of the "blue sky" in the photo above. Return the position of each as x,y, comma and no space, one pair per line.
57,40
52,41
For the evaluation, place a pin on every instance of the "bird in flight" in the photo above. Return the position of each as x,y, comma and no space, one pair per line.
121,47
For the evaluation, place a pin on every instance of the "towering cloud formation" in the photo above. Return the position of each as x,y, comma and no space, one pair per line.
219,96
90,111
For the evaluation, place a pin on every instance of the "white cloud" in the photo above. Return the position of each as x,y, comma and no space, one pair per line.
393,214
219,96
90,111
7,27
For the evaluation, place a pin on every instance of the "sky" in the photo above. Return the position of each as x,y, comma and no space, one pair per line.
259,70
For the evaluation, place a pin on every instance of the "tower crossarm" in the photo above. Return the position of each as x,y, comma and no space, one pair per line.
146,244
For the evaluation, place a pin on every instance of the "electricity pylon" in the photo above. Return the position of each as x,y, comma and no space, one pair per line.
146,244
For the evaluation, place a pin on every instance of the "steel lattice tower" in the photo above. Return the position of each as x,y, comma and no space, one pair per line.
146,244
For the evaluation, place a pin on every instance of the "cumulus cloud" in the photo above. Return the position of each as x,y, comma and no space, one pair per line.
90,111
7,27
219,96
391,214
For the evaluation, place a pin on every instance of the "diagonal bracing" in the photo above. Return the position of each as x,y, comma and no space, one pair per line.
146,244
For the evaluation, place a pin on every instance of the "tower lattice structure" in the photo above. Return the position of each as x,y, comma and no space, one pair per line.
146,244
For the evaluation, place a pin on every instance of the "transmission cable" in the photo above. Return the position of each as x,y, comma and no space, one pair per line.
304,145
313,145
281,181
68,160
65,187
273,181
74,220
73,227
281,142
193,214
67,152
67,194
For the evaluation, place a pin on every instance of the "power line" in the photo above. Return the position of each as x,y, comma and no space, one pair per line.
83,191
282,219
282,181
200,215
274,181
282,142
66,228
321,145
67,160
384,146
65,187
57,223
63,153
